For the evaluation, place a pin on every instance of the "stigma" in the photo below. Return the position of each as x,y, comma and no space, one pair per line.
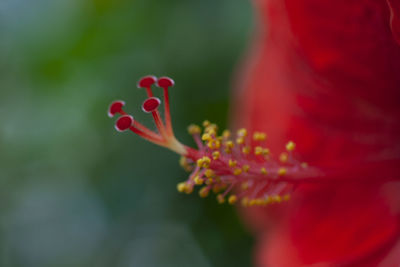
237,167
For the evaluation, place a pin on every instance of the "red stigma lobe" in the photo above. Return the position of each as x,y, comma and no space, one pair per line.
124,123
147,81
151,104
165,82
115,107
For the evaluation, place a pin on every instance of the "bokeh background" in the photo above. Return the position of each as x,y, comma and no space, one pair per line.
73,191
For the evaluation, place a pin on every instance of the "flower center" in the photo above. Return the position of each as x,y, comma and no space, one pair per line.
234,166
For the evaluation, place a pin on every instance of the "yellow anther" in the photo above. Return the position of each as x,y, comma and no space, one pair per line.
206,162
245,168
245,201
200,162
214,126
265,151
245,185
263,171
226,134
232,163
211,131
261,151
259,136
229,144
304,165
258,150
181,187
198,180
240,140
216,155
290,146
211,128
286,197
216,188
209,181
204,191
211,143
217,144
255,136
277,198
194,129
206,123
232,199
284,157
242,132
209,173
259,201
282,171
252,202
220,199
183,162
237,171
246,150
206,137
188,189
214,144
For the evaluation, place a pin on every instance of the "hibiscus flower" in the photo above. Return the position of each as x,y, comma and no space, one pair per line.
325,75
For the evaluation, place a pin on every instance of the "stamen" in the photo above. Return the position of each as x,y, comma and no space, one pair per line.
181,187
194,129
284,157
290,146
232,199
246,168
204,191
282,171
263,171
216,154
226,134
259,136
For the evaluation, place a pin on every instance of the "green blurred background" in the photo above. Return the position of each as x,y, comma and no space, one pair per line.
73,191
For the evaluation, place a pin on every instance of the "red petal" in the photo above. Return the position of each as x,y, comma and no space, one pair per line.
327,77
336,225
